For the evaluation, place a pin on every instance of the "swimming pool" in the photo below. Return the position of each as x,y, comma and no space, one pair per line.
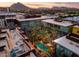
42,47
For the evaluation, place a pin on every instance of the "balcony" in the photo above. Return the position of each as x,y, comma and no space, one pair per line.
10,18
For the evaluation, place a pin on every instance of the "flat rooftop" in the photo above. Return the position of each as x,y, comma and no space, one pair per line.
63,41
5,13
18,43
63,23
37,18
76,26
76,18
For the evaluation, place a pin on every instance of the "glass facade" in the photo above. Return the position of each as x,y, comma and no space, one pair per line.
63,52
61,30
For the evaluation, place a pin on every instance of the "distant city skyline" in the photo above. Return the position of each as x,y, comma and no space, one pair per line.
43,4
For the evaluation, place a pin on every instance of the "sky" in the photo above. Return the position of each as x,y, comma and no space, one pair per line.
33,4
41,4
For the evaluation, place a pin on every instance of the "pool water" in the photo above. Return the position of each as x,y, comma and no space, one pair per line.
42,47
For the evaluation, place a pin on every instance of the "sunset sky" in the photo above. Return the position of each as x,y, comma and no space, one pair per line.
42,4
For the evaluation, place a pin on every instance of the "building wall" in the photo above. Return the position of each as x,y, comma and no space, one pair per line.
4,17
3,9
64,52
61,30
24,25
20,16
2,23
27,25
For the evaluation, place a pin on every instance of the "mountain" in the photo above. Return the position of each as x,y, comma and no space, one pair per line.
18,6
63,8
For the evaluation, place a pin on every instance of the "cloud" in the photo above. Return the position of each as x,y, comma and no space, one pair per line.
72,4
44,4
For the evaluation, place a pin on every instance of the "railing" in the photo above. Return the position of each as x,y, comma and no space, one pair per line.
10,18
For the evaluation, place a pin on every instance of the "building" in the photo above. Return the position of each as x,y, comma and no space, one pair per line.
68,45
19,47
9,44
73,35
72,19
13,44
62,28
4,45
6,18
26,24
9,20
4,9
